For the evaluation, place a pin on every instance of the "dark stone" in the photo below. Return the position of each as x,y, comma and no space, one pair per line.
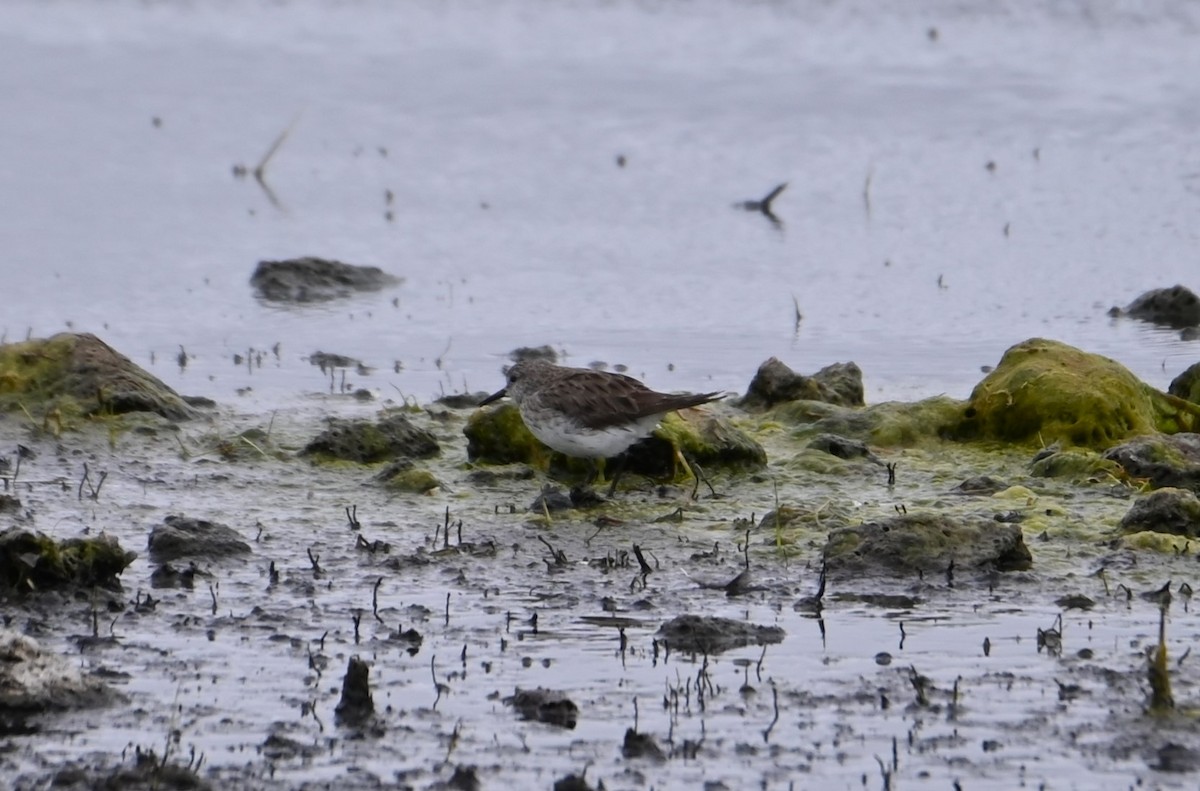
980,484
775,382
465,778
1168,510
1175,307
167,576
366,442
551,499
572,782
182,536
544,705
641,745
1166,460
1076,601
355,706
1187,384
843,448
925,543
1172,757
701,634
315,279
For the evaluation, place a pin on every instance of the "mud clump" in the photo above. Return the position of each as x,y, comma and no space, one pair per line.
913,544
148,773
356,707
182,536
71,375
316,279
701,634
35,562
366,442
34,681
775,383
544,705
1164,460
1169,510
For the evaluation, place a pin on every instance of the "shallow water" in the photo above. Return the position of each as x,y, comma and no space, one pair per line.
496,127
142,234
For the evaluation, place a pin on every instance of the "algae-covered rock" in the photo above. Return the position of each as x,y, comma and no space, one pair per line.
1187,384
368,442
404,476
707,439
78,374
775,382
35,562
1164,460
1078,463
1169,510
315,279
499,436
1046,391
1175,307
926,543
182,536
887,425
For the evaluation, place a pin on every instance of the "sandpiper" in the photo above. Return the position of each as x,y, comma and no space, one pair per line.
588,414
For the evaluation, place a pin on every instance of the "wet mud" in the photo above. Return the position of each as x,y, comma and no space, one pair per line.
492,642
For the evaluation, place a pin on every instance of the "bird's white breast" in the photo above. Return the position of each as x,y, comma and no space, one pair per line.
567,436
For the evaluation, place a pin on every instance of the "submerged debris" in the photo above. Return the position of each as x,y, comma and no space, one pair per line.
701,634
544,705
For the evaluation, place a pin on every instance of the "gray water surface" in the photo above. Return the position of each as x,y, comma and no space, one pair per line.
497,127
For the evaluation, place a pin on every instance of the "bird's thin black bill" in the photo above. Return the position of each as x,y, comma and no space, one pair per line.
493,397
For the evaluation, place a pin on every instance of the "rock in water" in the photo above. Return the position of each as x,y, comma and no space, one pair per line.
183,536
315,279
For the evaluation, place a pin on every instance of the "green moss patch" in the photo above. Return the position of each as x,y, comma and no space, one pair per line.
1045,391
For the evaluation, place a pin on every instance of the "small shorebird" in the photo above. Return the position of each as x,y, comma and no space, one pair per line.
588,414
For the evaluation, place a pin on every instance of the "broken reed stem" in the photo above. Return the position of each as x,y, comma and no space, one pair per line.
1159,672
